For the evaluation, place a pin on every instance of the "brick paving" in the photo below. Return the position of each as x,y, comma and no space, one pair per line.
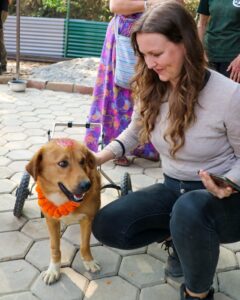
76,75
24,252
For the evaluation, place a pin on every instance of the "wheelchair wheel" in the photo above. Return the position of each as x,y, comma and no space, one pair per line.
126,184
22,193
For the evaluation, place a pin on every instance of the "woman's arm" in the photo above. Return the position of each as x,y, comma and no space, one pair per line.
128,7
232,123
125,142
103,156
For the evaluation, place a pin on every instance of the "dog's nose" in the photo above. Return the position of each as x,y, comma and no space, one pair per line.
83,186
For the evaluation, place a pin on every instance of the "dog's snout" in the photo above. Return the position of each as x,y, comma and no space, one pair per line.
83,186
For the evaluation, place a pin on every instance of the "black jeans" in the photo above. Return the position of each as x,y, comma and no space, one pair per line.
197,221
220,67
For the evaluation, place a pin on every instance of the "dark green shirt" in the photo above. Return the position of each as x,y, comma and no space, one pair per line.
222,37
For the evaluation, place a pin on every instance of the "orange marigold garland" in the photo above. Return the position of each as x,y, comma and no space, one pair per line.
53,210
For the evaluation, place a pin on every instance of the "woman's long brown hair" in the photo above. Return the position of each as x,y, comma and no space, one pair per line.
173,21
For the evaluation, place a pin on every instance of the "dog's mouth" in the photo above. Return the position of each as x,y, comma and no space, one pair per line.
72,197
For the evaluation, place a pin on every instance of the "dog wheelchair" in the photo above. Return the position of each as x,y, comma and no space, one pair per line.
24,189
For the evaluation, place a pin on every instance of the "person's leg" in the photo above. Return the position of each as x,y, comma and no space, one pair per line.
223,68
136,219
220,67
2,44
199,223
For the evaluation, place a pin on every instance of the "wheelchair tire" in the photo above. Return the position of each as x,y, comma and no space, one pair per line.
126,184
22,193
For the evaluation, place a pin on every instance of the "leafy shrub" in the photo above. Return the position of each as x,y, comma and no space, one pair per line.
97,10
192,6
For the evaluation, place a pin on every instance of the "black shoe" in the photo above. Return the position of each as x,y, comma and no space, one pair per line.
173,266
184,295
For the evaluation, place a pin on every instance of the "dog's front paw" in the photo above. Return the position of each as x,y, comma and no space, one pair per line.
52,274
91,266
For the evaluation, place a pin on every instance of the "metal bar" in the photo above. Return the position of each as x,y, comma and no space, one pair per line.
66,31
71,124
18,39
113,184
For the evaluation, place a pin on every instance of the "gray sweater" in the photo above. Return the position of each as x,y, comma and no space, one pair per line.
212,143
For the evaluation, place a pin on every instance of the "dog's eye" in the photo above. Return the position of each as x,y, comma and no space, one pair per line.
82,161
63,163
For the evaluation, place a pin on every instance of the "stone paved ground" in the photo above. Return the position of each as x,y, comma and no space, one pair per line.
24,248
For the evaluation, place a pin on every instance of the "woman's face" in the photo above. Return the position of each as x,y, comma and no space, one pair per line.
163,56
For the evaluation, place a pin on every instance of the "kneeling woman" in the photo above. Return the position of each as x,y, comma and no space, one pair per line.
191,115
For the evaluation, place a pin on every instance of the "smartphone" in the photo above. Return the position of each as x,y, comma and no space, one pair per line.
223,181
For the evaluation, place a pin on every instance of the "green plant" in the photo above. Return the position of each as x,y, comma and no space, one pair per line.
192,6
59,5
97,10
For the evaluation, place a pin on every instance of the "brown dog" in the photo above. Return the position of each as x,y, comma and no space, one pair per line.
68,186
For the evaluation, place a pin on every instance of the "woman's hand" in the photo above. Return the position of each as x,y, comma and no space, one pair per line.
219,192
234,69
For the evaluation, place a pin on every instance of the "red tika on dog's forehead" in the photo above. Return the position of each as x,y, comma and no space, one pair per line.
65,143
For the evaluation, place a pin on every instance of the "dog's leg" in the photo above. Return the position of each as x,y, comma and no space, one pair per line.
53,272
89,263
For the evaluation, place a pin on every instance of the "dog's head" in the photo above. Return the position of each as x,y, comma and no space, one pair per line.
65,166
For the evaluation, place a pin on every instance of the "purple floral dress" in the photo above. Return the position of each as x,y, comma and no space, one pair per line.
112,106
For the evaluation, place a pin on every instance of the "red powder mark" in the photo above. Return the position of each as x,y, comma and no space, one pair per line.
65,142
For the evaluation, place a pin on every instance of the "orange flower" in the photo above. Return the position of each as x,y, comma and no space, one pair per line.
53,210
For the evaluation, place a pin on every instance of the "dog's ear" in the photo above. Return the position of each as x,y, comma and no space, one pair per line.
91,160
34,166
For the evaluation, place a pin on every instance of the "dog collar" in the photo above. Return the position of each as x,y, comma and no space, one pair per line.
53,210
